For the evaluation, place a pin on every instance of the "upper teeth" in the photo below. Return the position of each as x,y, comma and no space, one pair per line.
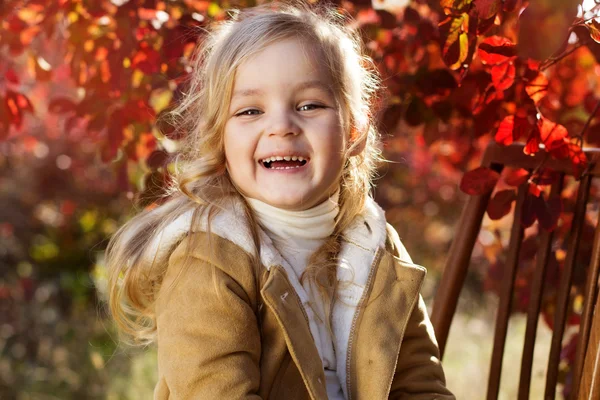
280,158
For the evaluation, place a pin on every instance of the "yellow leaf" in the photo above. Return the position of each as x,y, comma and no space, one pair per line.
97,360
136,78
213,9
594,27
160,99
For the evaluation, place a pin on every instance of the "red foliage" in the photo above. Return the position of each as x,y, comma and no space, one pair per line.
481,180
501,204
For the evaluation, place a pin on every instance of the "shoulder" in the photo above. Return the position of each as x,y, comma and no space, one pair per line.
205,262
201,241
395,246
372,230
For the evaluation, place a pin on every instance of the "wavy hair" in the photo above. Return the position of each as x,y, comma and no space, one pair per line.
201,181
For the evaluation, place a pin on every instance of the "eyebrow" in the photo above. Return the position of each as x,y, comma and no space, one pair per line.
315,84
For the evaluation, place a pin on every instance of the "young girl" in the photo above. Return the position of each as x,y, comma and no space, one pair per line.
270,273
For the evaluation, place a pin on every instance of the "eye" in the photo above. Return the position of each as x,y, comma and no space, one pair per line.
310,107
251,111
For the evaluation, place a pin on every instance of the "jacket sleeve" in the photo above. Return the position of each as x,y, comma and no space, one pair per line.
207,335
419,374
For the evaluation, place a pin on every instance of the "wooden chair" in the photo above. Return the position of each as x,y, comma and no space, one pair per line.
586,383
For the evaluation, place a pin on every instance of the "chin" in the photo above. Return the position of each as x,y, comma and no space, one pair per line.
293,203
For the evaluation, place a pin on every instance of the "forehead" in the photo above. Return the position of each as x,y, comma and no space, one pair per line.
282,65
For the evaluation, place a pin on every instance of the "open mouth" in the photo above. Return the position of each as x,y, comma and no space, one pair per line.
287,162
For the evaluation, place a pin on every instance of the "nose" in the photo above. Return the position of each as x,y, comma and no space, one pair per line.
282,123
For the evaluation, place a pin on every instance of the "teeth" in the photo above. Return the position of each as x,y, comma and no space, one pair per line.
280,158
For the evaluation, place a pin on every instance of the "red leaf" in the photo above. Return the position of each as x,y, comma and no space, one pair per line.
503,75
504,135
547,211
479,181
528,211
551,133
515,176
533,142
534,189
61,105
501,203
537,88
511,129
486,8
496,50
146,60
15,24
139,111
11,76
147,14
578,159
16,104
546,176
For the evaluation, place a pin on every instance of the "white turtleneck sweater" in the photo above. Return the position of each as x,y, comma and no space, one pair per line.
296,235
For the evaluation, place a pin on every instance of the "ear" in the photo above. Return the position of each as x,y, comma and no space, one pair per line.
358,140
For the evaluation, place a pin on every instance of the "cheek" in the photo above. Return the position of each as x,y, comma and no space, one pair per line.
239,148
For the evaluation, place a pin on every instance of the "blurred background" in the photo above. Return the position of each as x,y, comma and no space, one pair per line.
82,83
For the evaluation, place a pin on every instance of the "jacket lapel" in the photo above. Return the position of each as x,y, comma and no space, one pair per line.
391,296
282,300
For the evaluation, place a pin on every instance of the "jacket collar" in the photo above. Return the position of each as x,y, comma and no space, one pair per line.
368,232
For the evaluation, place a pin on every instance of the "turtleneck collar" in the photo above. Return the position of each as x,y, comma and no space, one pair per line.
316,223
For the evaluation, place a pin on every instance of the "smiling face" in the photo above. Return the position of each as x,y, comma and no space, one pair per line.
284,141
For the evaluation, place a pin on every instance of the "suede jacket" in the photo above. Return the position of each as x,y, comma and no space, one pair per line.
226,331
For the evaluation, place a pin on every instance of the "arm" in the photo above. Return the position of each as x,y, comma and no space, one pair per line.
208,338
419,374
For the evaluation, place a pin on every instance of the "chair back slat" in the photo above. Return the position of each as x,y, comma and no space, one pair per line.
535,300
564,289
591,292
455,269
508,283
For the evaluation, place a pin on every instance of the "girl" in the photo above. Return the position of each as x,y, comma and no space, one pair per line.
270,273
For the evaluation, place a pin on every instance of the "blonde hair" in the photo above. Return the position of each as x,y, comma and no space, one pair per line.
202,183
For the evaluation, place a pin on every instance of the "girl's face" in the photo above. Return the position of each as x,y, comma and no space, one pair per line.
284,141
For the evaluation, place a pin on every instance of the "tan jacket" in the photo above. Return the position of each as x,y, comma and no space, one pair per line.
226,333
